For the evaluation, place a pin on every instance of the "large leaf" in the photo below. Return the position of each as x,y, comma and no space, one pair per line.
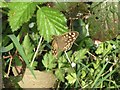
50,22
104,20
20,13
20,50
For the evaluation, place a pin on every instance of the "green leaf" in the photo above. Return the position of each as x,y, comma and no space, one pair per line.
49,61
34,64
21,51
16,61
81,54
3,4
96,64
60,73
104,48
50,22
100,49
104,78
107,49
20,13
62,62
28,47
99,75
7,48
83,74
71,78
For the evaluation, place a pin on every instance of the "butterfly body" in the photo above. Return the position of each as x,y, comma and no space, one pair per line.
63,42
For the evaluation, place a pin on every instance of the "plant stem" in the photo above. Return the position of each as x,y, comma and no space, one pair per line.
36,51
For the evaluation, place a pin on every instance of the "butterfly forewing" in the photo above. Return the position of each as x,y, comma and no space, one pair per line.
70,37
63,42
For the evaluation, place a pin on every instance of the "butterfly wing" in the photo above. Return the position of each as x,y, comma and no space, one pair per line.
55,46
63,42
70,38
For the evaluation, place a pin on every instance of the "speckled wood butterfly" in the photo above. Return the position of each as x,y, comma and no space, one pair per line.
63,42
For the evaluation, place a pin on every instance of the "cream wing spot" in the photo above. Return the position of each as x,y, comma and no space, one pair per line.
70,34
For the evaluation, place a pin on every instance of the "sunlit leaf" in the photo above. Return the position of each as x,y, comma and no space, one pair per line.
50,22
20,13
60,74
71,78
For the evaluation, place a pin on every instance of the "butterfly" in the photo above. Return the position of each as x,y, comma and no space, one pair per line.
63,42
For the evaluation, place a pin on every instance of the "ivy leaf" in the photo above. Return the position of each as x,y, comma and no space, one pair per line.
50,22
20,13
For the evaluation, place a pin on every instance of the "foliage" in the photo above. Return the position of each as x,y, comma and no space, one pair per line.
27,30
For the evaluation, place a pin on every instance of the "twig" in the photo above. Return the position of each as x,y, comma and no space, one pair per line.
36,51
67,57
92,55
5,57
9,64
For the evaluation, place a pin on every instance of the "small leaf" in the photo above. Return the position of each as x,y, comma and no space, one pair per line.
107,49
20,13
49,61
71,78
16,61
62,62
83,74
60,74
83,83
28,47
100,49
50,22
80,54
